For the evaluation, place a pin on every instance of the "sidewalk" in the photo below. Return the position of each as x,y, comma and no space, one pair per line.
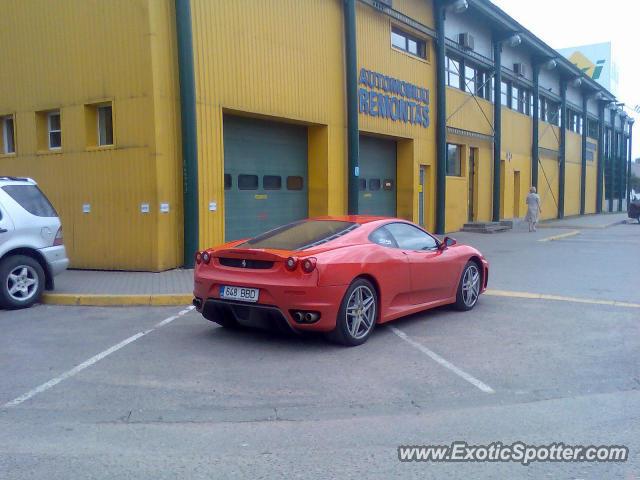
92,287
173,287
604,220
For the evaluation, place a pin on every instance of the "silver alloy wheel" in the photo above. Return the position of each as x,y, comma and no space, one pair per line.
470,285
22,283
361,312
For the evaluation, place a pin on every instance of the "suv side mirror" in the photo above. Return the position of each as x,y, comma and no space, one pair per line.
447,242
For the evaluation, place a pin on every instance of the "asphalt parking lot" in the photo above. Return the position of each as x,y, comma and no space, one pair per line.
162,393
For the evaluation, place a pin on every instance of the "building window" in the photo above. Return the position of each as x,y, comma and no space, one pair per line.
452,72
470,79
54,130
504,94
105,125
408,43
454,160
592,128
99,124
515,94
485,84
7,135
523,101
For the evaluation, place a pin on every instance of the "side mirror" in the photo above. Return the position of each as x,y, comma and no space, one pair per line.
447,242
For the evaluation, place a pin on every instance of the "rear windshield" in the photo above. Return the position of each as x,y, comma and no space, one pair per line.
31,199
300,235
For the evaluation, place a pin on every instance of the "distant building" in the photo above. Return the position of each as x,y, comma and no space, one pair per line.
597,62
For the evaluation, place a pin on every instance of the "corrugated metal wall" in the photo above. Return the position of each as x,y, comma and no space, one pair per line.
280,59
66,55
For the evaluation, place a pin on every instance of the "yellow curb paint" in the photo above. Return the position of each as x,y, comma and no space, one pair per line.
559,298
97,300
558,237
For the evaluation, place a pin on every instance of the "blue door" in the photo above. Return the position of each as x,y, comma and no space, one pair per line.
265,175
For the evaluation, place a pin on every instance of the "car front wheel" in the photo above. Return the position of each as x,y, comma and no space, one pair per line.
469,287
22,281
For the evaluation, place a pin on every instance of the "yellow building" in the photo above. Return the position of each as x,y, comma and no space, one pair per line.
157,127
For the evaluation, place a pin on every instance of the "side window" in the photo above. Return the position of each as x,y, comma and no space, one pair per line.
409,237
383,237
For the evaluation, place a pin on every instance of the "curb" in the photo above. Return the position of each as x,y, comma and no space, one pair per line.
583,227
98,300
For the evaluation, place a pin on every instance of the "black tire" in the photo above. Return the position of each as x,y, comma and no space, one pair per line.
22,281
466,298
366,317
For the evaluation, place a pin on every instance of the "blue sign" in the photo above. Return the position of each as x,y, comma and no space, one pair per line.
387,97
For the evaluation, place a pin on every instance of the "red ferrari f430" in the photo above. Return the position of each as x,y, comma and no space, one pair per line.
339,275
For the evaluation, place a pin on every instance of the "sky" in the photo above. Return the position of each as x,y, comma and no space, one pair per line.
570,23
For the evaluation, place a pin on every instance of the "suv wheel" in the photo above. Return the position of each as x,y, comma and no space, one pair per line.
22,281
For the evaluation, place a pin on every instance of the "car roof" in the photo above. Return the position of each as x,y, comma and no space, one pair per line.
8,180
359,219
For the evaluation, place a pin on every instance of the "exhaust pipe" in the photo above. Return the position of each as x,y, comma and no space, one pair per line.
299,317
197,303
310,317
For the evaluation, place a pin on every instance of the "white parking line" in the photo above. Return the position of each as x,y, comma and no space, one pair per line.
446,364
96,358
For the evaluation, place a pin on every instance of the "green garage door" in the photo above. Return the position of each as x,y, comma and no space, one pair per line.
265,175
377,177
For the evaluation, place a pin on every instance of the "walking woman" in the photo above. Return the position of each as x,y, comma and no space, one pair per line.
533,209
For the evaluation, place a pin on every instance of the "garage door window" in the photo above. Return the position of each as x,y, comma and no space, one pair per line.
295,183
247,182
374,184
227,181
272,182
362,184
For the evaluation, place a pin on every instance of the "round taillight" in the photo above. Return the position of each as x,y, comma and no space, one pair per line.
291,264
206,258
308,264
198,257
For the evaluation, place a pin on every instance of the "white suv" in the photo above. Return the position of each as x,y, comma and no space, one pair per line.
31,247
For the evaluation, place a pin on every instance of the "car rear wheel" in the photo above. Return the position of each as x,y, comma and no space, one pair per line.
469,287
358,314
22,280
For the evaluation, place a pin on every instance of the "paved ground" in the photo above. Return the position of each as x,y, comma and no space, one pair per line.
187,399
124,283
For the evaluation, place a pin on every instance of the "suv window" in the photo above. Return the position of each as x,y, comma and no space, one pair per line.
409,237
31,199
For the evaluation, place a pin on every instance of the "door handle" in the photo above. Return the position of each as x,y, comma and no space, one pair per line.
3,230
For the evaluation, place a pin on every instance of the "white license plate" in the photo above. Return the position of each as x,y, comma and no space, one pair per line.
243,294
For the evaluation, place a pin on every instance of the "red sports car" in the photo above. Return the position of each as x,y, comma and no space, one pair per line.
340,275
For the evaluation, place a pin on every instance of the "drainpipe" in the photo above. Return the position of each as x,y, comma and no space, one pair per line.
497,127
583,169
623,165
612,158
563,146
189,130
600,171
631,121
535,144
441,120
353,139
